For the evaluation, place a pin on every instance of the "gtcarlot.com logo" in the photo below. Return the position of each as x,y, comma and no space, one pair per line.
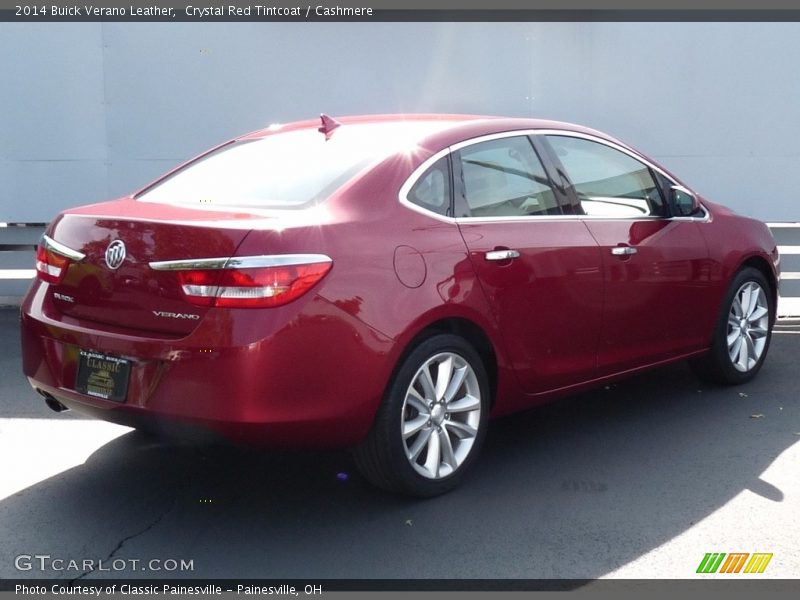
46,562
734,562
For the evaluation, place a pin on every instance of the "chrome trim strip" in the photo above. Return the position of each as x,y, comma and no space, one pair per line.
420,170
275,260
59,248
704,219
468,220
185,265
535,218
240,262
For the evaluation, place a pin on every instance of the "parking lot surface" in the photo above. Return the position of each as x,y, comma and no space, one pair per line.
637,480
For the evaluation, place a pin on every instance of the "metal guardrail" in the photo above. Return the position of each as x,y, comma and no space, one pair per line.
17,255
18,247
788,237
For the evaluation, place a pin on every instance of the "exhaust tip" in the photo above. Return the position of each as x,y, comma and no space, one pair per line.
51,402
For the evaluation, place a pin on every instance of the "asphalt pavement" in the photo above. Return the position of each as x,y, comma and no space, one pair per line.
637,480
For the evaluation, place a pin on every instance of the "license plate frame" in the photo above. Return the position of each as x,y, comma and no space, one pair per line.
103,376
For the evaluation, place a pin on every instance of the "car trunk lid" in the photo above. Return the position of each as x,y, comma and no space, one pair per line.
134,234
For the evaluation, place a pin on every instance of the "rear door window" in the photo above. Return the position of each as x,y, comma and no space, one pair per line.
505,178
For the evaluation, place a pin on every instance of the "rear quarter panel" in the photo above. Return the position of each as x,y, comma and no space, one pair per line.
400,271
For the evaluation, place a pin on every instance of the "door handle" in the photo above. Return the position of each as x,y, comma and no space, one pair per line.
501,254
623,251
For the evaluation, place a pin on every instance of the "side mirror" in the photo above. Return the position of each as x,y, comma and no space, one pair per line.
683,202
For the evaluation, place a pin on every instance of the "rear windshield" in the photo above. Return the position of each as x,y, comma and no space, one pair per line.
296,169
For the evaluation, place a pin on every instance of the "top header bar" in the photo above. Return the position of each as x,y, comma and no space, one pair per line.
337,13
450,5
397,10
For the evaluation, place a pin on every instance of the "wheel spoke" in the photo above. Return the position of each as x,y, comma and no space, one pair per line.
417,402
755,292
733,349
743,355
745,298
455,384
464,404
426,382
733,336
758,313
462,430
448,456
444,373
419,444
414,425
434,458
758,332
736,308
751,351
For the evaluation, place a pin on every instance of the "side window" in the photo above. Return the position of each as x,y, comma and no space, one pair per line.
608,183
432,190
505,178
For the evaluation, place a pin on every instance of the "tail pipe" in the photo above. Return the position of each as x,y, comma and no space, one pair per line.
51,402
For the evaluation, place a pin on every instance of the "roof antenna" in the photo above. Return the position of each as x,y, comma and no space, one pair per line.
328,125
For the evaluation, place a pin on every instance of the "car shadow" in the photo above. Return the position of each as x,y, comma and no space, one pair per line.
575,489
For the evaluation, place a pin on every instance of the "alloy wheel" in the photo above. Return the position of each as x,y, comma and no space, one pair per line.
441,415
748,326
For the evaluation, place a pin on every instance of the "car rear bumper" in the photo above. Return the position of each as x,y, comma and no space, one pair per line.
251,375
297,433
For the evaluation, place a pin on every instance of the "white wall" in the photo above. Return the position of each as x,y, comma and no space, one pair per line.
90,111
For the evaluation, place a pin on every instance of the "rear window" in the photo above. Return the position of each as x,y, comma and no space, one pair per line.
296,169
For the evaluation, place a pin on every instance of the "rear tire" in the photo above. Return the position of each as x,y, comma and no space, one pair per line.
432,422
743,332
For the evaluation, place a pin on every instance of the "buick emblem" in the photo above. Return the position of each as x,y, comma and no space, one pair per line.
115,254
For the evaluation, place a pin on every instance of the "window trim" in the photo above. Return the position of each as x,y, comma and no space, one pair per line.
423,167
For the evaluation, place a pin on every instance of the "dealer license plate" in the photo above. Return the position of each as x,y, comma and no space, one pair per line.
102,376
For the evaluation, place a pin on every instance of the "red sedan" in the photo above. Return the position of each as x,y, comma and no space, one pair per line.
385,283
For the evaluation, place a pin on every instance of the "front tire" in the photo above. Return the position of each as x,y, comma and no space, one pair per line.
743,332
432,421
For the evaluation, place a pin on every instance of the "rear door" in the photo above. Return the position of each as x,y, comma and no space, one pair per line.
655,267
539,268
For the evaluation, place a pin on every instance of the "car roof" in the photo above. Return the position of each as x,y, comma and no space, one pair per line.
446,129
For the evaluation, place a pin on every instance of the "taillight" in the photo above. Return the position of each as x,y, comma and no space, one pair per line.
248,281
253,288
52,260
